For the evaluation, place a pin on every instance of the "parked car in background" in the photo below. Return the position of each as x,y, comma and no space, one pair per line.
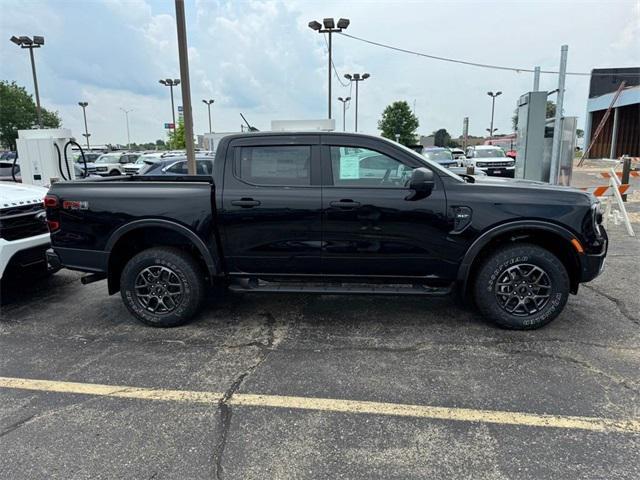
490,159
440,155
24,235
142,161
508,143
90,158
110,164
6,167
8,155
458,155
463,171
178,166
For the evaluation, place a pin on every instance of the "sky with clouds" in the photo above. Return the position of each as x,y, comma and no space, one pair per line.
261,59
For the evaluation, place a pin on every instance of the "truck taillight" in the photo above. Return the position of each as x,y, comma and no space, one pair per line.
51,201
53,225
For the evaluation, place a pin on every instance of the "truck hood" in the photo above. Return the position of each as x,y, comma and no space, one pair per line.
522,183
14,194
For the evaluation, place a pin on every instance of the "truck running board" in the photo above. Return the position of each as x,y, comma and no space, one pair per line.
333,288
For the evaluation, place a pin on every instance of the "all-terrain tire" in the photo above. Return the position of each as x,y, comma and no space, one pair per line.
505,294
151,280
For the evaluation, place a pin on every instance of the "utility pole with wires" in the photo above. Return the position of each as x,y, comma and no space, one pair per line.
329,26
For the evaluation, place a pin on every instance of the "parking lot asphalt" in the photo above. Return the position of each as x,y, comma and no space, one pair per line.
352,387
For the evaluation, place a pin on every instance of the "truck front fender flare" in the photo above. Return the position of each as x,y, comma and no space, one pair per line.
476,247
210,261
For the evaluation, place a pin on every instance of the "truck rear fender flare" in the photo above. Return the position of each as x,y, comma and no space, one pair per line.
211,263
466,267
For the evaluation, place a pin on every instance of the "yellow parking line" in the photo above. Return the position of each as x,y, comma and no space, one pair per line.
110,390
471,415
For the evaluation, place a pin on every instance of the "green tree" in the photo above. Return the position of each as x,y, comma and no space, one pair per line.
18,112
551,112
177,137
441,138
398,119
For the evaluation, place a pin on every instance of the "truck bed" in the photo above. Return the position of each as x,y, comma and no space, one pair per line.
95,214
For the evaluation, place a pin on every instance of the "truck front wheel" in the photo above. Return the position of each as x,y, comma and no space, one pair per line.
162,286
521,286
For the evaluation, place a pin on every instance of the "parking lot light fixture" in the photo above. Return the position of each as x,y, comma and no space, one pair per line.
344,110
86,133
329,27
168,82
209,103
493,107
126,116
36,42
356,77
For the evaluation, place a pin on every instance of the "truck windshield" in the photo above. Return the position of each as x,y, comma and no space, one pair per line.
108,159
439,155
489,153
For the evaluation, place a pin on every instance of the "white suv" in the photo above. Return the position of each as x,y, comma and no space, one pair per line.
113,163
490,159
142,161
24,235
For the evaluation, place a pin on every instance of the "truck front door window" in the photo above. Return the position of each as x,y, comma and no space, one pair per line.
361,167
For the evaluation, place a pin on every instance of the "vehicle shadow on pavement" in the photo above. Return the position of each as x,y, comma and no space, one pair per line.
17,289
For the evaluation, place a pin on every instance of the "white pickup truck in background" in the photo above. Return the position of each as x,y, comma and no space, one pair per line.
24,234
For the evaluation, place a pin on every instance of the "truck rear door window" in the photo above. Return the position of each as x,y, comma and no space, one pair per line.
275,165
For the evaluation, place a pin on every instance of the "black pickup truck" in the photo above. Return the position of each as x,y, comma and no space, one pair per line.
328,213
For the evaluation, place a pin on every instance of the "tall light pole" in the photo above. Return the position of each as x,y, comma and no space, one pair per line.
493,107
171,83
329,27
183,55
209,103
344,110
126,117
356,77
31,43
86,133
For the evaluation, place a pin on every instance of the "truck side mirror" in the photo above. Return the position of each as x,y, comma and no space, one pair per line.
421,183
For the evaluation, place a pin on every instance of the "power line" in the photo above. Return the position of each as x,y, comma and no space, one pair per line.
473,64
335,71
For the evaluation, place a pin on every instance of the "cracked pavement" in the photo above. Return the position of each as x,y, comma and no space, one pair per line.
397,350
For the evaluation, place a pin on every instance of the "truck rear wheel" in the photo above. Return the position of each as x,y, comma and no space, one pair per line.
521,287
162,286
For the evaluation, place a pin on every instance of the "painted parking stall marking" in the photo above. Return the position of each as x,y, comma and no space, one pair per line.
596,424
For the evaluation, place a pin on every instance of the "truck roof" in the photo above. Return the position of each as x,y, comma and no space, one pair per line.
302,133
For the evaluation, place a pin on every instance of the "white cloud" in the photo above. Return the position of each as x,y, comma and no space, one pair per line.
261,59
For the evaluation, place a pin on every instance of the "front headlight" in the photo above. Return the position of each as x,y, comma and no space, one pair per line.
597,216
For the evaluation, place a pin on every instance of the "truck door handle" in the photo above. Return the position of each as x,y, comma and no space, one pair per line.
246,203
345,203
